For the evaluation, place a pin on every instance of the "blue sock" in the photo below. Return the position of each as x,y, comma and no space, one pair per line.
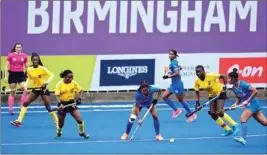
244,130
186,106
170,103
156,126
129,127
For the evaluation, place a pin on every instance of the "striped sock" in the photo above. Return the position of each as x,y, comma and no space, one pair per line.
222,124
227,118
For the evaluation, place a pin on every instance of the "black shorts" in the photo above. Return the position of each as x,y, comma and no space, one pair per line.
221,97
41,92
68,109
16,77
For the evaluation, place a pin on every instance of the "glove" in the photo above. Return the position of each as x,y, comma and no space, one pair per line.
224,88
78,101
197,105
43,87
155,101
58,104
165,77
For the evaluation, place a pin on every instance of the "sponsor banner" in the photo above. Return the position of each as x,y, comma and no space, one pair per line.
251,66
188,62
131,27
81,66
252,70
126,72
133,82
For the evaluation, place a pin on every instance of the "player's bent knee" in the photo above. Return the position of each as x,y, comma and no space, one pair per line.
213,115
25,104
155,117
243,120
60,124
220,113
165,97
49,109
132,118
79,121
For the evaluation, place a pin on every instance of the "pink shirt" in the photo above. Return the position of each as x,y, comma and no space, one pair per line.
17,61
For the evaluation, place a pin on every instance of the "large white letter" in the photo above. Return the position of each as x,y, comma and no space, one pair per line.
109,7
146,17
172,15
196,14
251,6
56,17
73,16
32,13
210,19
123,16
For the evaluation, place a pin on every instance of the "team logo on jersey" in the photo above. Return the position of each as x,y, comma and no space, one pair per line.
127,71
241,94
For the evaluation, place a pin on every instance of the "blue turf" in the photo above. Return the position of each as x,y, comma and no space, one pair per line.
106,127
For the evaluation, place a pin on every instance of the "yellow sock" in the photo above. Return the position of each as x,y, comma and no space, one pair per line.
54,116
59,130
227,118
22,113
81,127
222,124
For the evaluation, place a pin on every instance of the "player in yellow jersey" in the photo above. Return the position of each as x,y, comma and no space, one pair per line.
65,94
36,76
210,83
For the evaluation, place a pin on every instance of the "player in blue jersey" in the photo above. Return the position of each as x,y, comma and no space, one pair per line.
176,87
246,94
144,98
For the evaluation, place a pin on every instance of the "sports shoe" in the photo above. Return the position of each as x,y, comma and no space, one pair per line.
159,137
16,123
191,118
227,132
124,136
85,135
176,113
240,140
